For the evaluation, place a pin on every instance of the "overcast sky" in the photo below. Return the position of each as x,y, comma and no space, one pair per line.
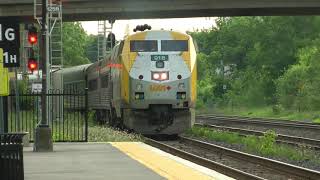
177,24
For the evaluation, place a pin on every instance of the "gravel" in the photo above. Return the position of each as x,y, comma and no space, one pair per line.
252,168
239,147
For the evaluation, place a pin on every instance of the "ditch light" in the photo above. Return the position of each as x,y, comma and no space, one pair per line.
139,95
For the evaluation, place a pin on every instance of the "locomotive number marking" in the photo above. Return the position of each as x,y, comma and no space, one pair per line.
156,87
159,57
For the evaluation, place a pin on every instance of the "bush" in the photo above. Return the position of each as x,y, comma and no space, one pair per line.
299,87
277,109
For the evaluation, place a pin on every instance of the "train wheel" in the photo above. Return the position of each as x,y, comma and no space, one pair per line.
120,124
113,117
97,116
109,118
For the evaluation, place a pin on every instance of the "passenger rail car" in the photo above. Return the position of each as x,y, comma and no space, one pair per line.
147,83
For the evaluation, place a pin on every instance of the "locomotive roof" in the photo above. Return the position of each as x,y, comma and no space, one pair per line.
152,31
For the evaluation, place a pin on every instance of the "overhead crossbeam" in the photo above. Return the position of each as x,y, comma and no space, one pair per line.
75,10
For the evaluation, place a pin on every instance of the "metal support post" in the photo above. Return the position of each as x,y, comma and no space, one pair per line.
43,138
1,116
4,114
86,114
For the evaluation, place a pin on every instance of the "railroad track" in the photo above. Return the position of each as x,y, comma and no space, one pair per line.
290,128
263,119
233,163
292,140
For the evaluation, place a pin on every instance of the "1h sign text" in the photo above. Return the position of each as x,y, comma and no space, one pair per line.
10,43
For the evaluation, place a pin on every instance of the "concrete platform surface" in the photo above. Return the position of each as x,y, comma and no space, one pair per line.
115,160
87,161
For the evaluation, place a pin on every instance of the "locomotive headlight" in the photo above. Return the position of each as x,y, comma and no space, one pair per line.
139,87
181,86
164,76
160,76
156,76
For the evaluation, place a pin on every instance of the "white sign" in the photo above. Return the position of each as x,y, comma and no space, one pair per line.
36,87
53,8
10,43
7,34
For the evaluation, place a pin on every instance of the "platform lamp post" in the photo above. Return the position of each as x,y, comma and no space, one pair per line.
43,138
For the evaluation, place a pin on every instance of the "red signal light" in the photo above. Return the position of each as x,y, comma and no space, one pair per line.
32,64
32,39
33,35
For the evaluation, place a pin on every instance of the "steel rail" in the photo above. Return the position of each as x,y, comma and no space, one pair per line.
229,171
261,122
293,140
260,118
304,173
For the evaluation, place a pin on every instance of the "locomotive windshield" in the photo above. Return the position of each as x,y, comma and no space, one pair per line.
174,45
143,46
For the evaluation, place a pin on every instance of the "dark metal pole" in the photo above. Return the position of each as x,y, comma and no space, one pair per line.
86,115
5,114
44,64
43,135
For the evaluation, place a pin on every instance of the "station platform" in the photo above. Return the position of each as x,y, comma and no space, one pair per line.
117,160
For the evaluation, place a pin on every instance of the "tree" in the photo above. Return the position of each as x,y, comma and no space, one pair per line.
92,48
74,42
261,49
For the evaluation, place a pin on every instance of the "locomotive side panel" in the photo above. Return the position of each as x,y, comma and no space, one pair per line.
93,84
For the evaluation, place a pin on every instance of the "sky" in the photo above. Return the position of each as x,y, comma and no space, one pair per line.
176,24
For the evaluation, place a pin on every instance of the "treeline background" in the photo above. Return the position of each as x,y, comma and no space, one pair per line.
243,62
260,61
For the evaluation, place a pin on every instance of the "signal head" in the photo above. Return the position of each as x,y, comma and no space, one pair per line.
32,35
32,64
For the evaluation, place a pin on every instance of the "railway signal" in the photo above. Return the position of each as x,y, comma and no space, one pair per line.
32,64
32,35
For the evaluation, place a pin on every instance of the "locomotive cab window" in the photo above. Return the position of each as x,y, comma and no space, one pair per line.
174,45
143,46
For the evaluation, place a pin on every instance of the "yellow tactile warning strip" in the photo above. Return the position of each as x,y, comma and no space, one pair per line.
164,166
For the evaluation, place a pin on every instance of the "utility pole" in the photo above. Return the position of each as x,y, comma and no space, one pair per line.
43,139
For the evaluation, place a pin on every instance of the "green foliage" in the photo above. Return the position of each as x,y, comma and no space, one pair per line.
267,142
299,87
262,145
277,109
317,120
92,48
74,44
260,61
274,112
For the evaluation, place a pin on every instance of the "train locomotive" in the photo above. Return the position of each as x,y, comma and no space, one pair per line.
147,83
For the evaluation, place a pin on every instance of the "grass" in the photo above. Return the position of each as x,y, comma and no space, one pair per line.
264,145
266,112
103,133
107,134
71,128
